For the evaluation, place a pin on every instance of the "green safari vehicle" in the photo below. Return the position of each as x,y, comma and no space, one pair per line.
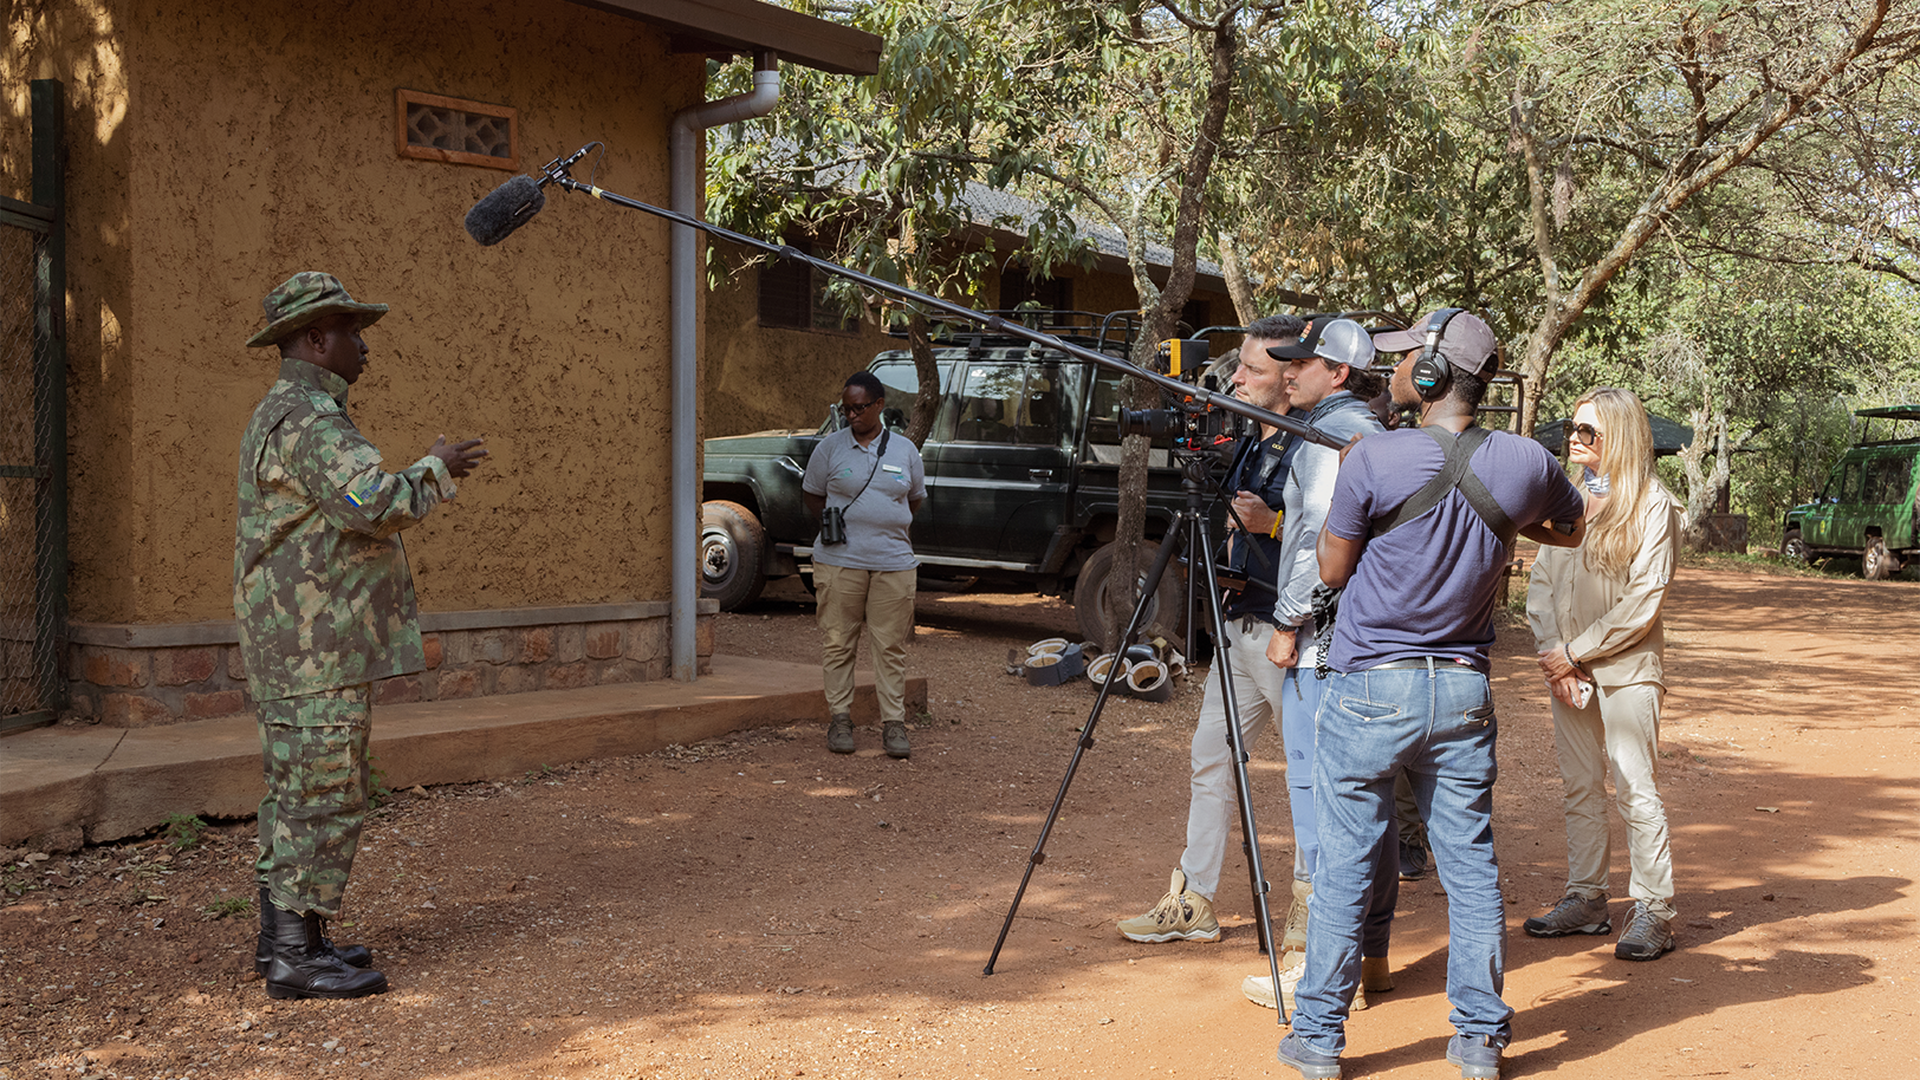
1868,506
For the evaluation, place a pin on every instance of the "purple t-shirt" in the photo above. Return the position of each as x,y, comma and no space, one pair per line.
1427,588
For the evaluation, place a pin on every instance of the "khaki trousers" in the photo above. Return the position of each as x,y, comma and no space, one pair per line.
845,600
1619,728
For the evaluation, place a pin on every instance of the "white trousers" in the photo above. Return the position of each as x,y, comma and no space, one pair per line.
1212,810
1620,728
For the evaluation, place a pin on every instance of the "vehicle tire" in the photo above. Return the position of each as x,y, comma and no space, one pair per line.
1092,595
731,546
1793,547
1875,562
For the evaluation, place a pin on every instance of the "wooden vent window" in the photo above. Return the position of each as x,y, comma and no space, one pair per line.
435,128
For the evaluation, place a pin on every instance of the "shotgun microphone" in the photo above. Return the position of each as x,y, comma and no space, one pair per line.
514,203
510,206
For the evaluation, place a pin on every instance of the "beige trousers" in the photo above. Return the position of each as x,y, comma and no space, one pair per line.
845,600
1620,728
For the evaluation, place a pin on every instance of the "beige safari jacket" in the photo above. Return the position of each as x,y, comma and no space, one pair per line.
1612,627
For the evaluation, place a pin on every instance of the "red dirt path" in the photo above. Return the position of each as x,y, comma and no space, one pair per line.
756,907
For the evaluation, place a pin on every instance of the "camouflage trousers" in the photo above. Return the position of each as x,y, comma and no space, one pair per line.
313,752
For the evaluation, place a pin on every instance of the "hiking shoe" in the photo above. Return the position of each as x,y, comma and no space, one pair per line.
1181,913
1259,988
1312,1066
1477,1056
840,734
1574,914
1294,938
1647,937
893,736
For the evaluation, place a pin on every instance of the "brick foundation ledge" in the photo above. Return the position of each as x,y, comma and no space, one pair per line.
138,675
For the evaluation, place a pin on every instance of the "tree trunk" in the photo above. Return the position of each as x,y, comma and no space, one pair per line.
1239,285
1160,310
926,403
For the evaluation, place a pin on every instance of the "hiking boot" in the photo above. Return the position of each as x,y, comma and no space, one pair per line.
1647,937
358,955
1312,1066
893,736
1259,988
840,734
1477,1056
299,969
1181,913
1574,914
1294,938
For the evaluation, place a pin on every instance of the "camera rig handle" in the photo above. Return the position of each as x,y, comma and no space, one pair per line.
1200,396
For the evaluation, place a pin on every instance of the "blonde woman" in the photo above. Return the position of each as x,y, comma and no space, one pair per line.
1595,612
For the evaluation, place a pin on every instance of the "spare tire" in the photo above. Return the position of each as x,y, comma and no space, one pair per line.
732,544
1093,595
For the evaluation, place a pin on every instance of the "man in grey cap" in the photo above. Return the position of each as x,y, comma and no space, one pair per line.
1420,529
325,607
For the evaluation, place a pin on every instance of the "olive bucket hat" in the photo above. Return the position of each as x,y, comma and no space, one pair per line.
304,297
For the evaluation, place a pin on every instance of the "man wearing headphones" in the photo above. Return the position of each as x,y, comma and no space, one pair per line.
1419,532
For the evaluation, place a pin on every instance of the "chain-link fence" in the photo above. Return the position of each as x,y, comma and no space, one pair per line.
27,653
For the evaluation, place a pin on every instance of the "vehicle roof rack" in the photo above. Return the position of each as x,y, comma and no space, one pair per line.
1895,413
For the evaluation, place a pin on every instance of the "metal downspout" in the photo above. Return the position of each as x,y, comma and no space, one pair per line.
689,126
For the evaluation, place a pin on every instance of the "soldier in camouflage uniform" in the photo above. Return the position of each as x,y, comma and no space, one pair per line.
325,607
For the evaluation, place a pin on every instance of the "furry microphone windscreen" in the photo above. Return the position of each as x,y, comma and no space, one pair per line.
510,206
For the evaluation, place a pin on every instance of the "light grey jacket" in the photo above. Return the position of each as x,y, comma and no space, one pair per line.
1308,493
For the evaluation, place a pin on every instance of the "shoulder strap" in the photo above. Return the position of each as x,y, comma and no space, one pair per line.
1456,473
878,456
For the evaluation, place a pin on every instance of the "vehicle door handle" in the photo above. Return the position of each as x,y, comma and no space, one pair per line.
1039,476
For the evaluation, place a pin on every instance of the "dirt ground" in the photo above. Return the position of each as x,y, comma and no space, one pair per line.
757,907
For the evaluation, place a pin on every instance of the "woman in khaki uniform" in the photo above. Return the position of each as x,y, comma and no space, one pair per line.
1595,613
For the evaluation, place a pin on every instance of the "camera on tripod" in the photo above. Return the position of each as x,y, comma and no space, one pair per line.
1193,426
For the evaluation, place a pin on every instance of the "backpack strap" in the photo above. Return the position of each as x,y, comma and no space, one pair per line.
1456,473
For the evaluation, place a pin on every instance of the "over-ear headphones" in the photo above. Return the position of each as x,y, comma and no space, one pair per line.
1433,373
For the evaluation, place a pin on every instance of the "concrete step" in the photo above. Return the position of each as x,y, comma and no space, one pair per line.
62,787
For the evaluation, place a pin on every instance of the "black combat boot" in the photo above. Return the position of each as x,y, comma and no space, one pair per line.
358,955
301,968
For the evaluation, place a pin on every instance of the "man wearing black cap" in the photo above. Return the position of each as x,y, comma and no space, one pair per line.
1419,532
325,607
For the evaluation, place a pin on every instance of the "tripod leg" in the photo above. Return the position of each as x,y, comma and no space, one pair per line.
1249,832
1175,536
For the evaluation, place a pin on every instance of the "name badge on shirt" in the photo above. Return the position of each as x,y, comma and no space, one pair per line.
890,468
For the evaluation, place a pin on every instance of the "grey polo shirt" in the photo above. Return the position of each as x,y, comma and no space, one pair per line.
877,518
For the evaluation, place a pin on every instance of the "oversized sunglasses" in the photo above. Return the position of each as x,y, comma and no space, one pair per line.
1585,434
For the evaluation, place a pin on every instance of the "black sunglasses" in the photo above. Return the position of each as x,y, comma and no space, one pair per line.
856,410
1584,434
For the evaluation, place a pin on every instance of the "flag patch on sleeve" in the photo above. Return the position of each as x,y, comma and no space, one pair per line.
361,498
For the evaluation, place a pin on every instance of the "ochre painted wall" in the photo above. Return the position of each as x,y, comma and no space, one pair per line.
215,150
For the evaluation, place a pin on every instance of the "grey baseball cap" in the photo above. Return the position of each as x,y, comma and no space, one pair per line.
1467,342
1337,341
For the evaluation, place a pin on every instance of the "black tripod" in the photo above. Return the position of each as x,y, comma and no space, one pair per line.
1189,531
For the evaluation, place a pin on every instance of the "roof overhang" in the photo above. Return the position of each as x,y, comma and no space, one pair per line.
749,26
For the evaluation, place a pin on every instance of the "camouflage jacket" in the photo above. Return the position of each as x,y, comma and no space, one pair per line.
320,581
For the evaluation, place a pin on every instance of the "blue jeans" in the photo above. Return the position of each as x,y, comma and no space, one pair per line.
1438,725
1299,703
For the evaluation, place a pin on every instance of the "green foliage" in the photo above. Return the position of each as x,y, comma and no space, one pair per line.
378,793
183,831
220,909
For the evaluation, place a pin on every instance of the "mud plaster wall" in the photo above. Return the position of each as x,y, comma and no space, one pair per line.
214,151
758,377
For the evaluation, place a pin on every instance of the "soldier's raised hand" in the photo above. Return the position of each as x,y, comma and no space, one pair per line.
461,458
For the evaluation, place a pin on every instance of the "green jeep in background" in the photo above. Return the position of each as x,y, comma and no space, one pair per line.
1022,470
1868,506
